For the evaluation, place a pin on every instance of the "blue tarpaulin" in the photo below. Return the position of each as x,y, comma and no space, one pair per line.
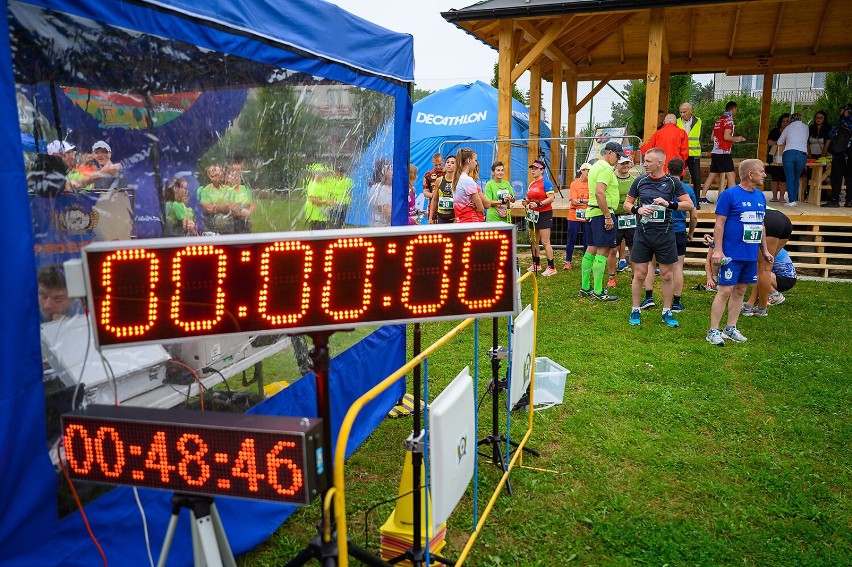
292,35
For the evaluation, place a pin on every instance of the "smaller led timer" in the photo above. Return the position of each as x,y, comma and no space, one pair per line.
218,454
174,288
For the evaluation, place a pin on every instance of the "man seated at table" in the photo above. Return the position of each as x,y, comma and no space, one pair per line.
53,300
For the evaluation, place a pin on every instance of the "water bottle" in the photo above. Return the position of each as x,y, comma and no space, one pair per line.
725,260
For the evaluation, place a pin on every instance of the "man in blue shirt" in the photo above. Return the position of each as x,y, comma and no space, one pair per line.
676,167
739,237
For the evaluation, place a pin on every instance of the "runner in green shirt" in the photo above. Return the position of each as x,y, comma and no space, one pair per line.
499,194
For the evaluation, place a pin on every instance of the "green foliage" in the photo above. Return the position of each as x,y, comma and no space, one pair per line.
837,93
746,122
680,90
517,94
420,94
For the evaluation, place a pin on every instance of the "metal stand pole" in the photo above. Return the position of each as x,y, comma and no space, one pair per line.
210,546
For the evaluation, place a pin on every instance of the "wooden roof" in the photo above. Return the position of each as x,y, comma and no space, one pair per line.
606,40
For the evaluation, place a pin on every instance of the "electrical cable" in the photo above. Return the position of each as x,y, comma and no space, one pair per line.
144,526
108,367
224,380
82,511
373,507
85,358
197,379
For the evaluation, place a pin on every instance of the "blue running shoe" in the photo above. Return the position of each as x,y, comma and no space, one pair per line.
714,337
669,319
585,293
647,303
622,265
677,307
635,317
603,296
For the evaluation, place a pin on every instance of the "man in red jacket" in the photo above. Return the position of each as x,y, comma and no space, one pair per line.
671,139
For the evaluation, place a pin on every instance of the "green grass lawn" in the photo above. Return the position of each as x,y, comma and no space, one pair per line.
668,451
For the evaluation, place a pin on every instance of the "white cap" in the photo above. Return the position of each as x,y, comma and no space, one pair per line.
101,144
54,148
625,159
66,147
586,165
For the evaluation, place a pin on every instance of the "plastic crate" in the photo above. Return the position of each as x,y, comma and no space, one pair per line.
550,381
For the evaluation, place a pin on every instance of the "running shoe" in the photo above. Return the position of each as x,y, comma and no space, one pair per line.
747,310
677,307
647,303
733,334
534,268
760,312
635,317
567,266
669,319
622,265
585,293
704,201
549,271
792,204
603,296
776,298
611,282
714,337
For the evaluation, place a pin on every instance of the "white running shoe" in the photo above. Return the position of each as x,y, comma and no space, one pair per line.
733,334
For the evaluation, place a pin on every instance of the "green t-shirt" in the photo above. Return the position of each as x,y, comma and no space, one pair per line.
320,190
493,191
602,172
242,196
223,223
623,188
176,212
341,190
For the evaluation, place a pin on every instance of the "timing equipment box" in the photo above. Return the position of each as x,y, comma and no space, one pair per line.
136,369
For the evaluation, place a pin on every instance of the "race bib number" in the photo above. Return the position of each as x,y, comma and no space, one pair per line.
658,213
752,233
626,221
501,195
581,214
445,203
531,216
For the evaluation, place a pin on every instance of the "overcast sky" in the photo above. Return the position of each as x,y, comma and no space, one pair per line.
444,55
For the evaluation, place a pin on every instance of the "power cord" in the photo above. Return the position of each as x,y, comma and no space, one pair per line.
210,369
373,507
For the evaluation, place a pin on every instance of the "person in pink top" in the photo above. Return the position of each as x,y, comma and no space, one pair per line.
468,203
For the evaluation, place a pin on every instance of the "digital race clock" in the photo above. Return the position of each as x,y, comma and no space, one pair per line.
242,455
173,288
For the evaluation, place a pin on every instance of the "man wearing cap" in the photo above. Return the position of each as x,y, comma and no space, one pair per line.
652,198
626,223
433,175
110,175
671,139
603,199
578,203
841,156
691,124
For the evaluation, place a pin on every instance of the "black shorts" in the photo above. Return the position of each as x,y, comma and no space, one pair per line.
446,218
777,225
545,221
783,283
599,236
625,235
721,163
680,243
647,244
777,173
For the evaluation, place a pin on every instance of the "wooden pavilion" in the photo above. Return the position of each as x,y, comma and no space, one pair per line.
565,42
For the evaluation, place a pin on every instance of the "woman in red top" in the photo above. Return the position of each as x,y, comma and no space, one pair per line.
539,215
468,202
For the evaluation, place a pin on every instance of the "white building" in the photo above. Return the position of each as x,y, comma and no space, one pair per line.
804,87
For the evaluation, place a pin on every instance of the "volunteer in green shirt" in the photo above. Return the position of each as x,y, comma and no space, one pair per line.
319,199
180,219
499,194
603,200
242,196
217,203
341,192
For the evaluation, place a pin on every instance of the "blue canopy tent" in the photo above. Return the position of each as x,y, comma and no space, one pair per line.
438,122
141,46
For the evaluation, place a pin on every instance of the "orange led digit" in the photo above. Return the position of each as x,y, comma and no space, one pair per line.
344,277
299,282
241,455
498,286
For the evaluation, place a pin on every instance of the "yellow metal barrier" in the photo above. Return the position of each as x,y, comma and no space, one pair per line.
338,490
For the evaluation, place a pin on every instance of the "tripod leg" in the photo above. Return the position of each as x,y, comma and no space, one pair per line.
222,539
302,558
206,534
527,449
498,459
167,542
366,557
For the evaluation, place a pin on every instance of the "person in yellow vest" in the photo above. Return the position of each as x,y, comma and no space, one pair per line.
692,125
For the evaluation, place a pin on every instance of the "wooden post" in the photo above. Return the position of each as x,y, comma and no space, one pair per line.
765,107
665,88
571,146
556,121
535,109
653,78
504,95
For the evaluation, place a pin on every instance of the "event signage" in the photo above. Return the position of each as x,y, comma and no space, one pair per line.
219,454
170,289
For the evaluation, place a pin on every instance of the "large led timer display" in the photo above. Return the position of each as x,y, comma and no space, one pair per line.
168,289
218,454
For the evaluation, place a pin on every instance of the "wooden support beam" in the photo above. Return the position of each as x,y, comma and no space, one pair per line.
765,108
585,44
665,89
597,88
693,15
504,94
571,97
538,48
656,30
777,29
556,119
822,21
517,41
535,110
553,52
734,30
621,45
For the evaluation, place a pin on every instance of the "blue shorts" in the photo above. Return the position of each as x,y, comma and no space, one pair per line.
738,272
599,236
